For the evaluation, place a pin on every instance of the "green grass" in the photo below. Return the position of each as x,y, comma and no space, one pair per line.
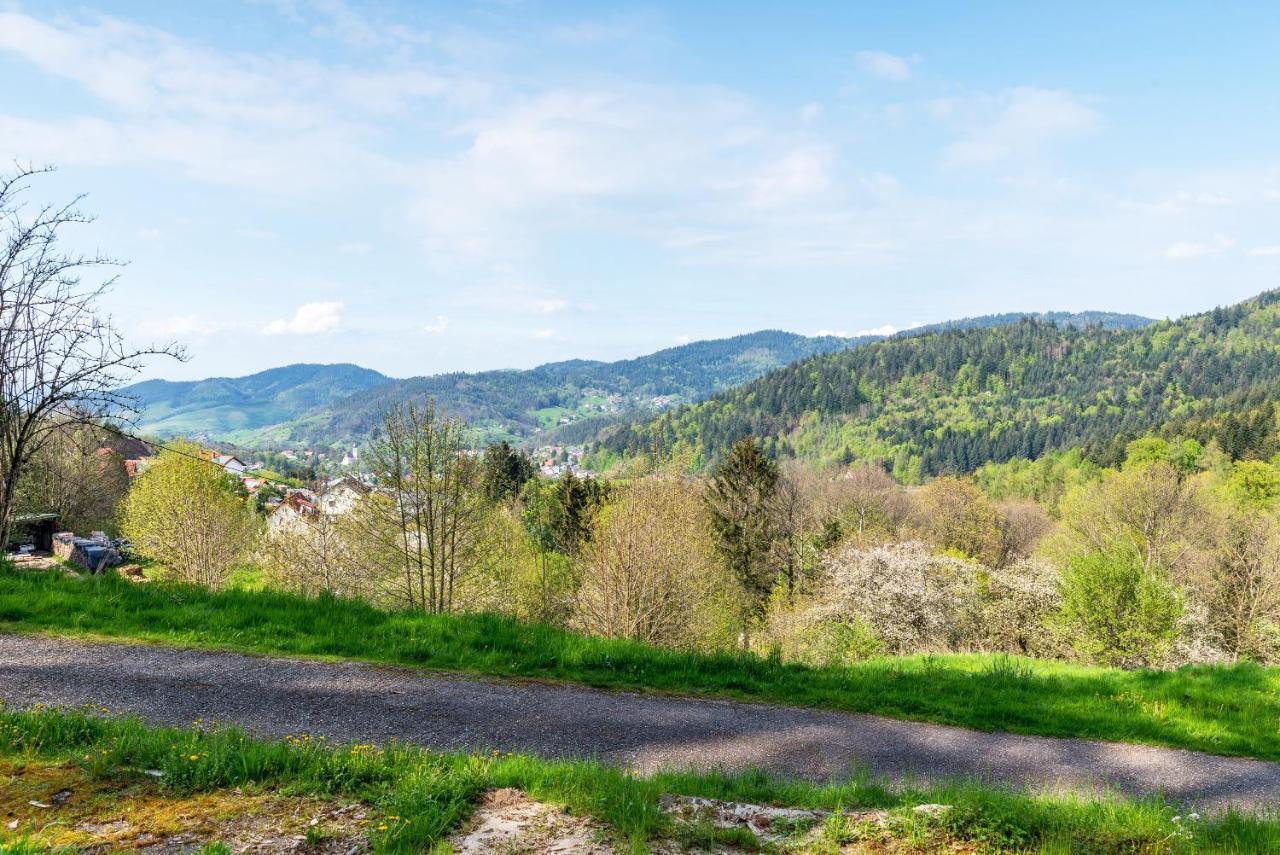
1230,710
421,795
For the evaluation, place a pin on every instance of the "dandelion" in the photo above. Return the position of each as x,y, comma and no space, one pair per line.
194,757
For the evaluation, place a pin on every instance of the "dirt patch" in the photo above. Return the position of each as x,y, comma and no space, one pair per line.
59,805
509,822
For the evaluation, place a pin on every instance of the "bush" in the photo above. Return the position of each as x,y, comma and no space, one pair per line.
904,599
1016,602
1118,611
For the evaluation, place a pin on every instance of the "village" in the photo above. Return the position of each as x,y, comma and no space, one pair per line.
289,506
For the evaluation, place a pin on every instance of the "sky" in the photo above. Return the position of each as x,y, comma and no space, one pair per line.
426,187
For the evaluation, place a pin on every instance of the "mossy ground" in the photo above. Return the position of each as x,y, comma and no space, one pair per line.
50,804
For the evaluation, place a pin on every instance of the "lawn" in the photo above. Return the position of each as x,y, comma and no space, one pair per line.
416,796
1231,710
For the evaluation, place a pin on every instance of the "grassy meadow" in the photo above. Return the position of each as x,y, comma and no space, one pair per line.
1229,710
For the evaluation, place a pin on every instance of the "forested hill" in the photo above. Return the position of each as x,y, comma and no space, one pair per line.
518,402
950,400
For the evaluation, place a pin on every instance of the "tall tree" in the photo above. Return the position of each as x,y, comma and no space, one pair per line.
62,360
741,498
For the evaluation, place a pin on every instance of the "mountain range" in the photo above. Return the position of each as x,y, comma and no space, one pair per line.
329,405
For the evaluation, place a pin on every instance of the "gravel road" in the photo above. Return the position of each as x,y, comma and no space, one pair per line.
366,703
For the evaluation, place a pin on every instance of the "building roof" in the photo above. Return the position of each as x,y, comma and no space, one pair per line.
350,483
28,519
297,503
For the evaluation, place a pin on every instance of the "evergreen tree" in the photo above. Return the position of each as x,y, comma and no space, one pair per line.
740,497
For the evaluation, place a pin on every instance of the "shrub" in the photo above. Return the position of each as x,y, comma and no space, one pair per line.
905,596
1118,611
1016,602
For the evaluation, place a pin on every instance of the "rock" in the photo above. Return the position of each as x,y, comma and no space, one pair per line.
933,811
769,823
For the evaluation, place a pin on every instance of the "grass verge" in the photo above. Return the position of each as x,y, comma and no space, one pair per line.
1228,710
419,796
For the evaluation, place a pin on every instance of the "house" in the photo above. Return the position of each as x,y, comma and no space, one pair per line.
341,496
293,513
231,463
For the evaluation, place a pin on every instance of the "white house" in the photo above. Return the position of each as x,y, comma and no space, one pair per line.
341,496
232,464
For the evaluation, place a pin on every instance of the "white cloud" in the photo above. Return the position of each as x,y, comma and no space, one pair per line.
1265,251
593,33
149,233
833,333
884,65
1184,250
810,112
887,329
437,326
273,124
544,306
544,333
1017,123
799,173
355,248
309,319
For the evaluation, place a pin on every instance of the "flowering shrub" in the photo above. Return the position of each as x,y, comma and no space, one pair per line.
904,598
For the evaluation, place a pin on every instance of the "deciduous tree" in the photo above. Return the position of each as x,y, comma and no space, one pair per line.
185,513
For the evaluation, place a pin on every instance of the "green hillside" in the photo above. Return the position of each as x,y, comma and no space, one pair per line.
951,400
223,406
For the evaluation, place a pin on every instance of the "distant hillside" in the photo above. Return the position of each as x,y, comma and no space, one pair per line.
565,401
221,407
972,392
521,403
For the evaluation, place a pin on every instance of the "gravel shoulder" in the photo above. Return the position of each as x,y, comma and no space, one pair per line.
347,701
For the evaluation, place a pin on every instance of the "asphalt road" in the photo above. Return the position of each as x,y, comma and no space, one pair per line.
348,702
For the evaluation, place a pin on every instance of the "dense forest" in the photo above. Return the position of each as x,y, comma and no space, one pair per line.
951,400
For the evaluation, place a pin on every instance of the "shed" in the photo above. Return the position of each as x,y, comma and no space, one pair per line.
34,529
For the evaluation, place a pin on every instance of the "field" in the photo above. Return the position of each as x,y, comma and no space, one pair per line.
1229,710
410,798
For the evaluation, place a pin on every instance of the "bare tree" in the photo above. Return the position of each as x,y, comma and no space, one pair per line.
430,511
652,571
78,476
870,500
62,360
1243,588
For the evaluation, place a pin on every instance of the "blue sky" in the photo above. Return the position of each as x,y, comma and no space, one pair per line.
432,187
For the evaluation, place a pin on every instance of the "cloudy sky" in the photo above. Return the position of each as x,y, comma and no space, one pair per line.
424,187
